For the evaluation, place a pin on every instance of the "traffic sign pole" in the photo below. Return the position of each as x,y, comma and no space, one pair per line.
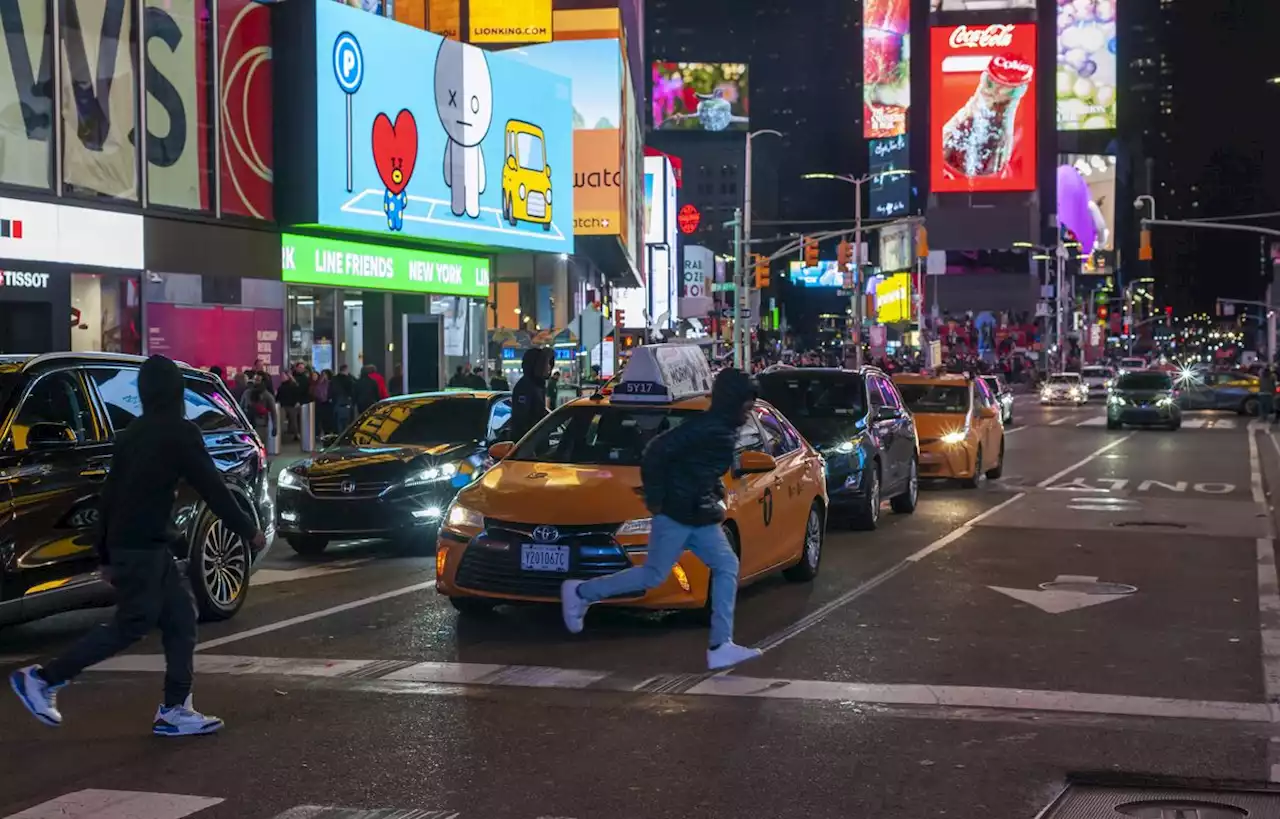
348,69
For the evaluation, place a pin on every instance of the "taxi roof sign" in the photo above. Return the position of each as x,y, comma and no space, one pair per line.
662,373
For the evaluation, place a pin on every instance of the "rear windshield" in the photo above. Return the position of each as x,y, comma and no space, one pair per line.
597,435
1145,381
1096,372
1064,378
813,395
929,398
420,421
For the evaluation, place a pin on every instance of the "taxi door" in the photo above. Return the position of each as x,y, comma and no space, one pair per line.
752,505
786,504
991,432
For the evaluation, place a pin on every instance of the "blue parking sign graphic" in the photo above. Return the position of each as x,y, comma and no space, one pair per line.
348,62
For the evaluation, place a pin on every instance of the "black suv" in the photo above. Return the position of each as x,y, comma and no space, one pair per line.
857,420
58,415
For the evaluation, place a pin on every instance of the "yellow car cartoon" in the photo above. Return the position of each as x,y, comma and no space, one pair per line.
526,176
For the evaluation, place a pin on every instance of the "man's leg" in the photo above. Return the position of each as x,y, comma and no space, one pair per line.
666,542
177,716
711,546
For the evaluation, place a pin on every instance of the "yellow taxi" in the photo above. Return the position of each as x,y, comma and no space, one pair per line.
526,176
565,502
958,422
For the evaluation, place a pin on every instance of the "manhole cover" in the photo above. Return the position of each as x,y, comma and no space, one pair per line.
1148,524
1088,587
1101,802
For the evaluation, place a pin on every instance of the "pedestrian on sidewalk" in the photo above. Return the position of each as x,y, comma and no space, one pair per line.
1267,393
682,471
136,550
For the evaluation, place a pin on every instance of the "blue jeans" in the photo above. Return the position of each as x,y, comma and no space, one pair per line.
667,541
1265,403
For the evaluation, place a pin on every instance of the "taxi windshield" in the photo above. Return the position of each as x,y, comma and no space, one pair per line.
599,434
1145,381
420,421
529,152
927,398
1064,378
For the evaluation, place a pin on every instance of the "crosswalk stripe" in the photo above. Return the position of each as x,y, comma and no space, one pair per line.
95,803
1098,421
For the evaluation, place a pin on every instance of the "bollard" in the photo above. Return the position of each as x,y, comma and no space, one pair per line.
273,438
308,424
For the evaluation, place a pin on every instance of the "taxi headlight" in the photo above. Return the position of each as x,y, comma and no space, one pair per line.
521,191
290,480
462,517
433,474
546,195
845,448
956,437
637,526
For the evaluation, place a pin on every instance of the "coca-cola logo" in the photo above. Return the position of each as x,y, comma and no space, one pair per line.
1011,66
996,35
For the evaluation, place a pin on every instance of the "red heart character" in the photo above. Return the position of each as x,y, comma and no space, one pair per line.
395,149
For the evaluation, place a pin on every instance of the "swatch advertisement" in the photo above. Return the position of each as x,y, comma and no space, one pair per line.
1086,65
886,67
890,194
700,97
983,108
479,151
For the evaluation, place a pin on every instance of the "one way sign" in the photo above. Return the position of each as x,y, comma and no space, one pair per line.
727,312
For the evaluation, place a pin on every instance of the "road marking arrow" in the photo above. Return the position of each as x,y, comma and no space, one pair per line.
1060,601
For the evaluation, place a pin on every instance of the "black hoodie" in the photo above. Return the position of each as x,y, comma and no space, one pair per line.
682,469
149,458
529,398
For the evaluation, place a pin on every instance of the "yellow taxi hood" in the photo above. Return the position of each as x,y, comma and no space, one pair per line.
937,424
534,492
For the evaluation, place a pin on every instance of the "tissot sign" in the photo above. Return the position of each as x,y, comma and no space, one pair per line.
42,232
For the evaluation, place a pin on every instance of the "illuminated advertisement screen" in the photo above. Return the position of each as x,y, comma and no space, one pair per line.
893,299
886,67
890,195
983,108
1086,65
1086,200
826,274
700,97
980,5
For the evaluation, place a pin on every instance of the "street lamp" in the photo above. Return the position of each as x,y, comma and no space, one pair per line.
857,298
740,292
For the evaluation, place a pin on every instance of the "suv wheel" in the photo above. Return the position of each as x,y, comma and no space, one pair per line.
867,516
218,568
307,545
905,503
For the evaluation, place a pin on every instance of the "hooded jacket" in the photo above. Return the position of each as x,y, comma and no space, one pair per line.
150,456
682,469
529,398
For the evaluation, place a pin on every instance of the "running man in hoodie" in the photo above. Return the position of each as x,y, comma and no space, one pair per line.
682,472
529,398
134,545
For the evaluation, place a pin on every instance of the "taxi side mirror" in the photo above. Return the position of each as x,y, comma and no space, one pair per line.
45,434
501,450
988,413
755,463
511,163
548,169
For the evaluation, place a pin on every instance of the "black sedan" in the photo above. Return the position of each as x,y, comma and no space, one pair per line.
393,473
857,420
1146,398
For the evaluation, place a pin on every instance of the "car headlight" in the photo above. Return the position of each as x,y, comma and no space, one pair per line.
845,447
1164,401
521,191
1116,400
290,480
433,474
462,517
547,196
956,437
637,526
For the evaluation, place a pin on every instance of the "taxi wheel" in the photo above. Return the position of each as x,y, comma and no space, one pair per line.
1249,407
307,545
867,516
998,470
972,483
806,567
905,503
473,606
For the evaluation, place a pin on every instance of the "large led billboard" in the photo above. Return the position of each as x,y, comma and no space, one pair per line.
981,5
700,96
1087,200
1086,65
826,274
886,67
890,193
983,108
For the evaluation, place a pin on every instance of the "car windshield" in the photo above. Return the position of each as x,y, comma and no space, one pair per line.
435,420
1096,372
1145,381
529,148
927,398
1065,379
597,434
817,403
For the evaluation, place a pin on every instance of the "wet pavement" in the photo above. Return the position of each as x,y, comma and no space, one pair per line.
1109,605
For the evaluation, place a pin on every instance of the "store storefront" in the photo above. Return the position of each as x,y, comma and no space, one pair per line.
70,279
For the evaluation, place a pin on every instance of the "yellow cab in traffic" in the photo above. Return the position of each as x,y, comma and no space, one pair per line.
565,502
958,421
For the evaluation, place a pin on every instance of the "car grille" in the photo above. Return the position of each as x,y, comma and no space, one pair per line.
334,488
492,562
536,204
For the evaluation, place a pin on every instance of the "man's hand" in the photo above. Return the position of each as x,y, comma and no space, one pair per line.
258,541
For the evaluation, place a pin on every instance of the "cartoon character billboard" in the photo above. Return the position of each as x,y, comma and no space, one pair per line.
428,138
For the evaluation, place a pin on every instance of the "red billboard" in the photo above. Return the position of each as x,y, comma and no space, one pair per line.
983,108
244,63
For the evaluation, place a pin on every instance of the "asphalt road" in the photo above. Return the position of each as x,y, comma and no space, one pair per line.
925,672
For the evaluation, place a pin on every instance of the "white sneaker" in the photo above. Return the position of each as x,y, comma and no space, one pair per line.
730,653
183,720
573,607
40,698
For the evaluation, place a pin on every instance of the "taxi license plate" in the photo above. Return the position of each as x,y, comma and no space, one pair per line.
535,557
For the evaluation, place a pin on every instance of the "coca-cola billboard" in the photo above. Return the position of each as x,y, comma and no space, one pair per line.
983,108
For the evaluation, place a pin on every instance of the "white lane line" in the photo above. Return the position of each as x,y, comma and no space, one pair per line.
1255,475
1096,421
1059,421
105,804
962,530
721,685
315,615
1049,481
268,577
1268,598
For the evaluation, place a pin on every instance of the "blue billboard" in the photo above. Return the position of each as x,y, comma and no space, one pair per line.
422,137
826,274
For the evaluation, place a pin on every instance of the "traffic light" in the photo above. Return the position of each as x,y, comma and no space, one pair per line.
1144,247
844,254
762,272
810,252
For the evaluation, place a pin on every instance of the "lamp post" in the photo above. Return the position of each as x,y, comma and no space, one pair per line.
741,295
1047,254
857,299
